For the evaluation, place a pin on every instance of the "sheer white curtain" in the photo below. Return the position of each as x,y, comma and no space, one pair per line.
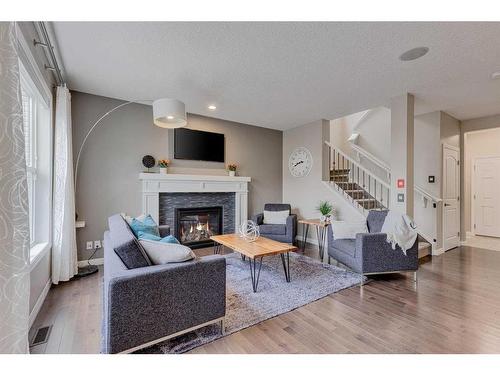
14,221
64,255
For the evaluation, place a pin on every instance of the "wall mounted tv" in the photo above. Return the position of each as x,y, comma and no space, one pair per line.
198,145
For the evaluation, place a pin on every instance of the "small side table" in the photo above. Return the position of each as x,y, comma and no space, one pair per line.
321,227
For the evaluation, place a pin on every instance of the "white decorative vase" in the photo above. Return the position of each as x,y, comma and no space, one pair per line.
325,218
232,173
163,170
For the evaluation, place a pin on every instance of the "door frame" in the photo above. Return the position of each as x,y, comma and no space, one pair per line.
445,145
473,191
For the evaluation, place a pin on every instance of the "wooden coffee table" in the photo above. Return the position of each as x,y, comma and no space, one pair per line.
255,251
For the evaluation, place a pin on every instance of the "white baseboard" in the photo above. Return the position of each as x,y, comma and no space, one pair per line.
436,252
39,302
94,262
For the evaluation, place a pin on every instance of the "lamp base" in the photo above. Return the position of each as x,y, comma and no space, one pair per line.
86,271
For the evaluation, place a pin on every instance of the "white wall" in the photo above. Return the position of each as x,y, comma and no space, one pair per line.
374,131
477,144
427,162
430,130
304,193
466,126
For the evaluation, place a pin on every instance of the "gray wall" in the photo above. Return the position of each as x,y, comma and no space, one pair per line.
111,161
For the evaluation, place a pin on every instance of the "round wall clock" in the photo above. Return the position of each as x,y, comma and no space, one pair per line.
300,162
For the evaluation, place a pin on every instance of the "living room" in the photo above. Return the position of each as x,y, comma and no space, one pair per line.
213,187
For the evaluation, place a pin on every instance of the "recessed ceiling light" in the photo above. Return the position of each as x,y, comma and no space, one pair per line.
414,53
495,75
212,107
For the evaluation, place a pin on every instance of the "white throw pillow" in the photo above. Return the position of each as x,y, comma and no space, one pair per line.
275,217
129,219
163,253
343,230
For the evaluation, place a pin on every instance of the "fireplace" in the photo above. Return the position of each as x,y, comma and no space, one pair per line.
194,226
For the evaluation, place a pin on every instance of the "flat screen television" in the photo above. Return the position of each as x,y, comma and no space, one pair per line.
198,145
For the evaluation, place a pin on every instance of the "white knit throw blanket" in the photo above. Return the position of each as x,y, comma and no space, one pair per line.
400,229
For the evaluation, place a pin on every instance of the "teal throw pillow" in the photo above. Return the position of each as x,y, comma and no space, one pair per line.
148,225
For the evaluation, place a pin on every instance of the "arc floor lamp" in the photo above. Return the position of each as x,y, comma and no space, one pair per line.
167,113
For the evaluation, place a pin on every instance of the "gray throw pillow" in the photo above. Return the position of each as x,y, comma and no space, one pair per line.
163,252
132,255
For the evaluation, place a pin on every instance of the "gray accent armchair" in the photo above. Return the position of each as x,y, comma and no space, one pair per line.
370,253
278,232
146,305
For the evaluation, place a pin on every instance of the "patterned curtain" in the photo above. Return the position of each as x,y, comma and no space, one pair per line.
14,225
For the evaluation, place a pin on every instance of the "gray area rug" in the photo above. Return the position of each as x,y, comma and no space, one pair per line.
310,280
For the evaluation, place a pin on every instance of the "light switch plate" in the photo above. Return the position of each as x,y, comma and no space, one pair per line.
432,179
89,245
401,197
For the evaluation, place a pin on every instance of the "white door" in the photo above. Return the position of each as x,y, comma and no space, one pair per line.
451,197
486,196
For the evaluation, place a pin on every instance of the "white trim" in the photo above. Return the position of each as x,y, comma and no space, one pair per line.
37,253
39,302
425,194
379,163
473,176
437,252
379,180
460,200
191,177
94,262
31,60
150,343
153,184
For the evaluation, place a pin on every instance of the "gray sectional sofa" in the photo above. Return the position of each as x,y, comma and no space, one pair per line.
146,305
370,253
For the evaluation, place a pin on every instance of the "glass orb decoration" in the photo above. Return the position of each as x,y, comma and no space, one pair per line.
249,231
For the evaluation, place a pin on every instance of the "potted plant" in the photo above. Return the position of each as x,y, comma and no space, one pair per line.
163,164
232,169
326,210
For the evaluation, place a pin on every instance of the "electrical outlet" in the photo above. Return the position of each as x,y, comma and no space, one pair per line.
97,244
89,245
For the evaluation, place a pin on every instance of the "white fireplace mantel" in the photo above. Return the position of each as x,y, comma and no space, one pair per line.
155,183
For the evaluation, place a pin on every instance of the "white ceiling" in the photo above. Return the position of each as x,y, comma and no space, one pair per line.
281,75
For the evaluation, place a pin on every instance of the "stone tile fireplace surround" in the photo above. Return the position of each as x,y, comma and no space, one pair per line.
162,194
171,202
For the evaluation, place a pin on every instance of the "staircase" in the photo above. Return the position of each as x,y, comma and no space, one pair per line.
356,183
362,188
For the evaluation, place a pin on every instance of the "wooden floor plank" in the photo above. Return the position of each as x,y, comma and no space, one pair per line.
453,308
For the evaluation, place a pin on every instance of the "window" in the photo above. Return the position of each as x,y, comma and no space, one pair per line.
38,148
29,122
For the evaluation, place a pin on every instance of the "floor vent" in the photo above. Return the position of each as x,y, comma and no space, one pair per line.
41,336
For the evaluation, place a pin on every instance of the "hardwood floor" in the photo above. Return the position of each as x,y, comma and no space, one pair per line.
454,308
